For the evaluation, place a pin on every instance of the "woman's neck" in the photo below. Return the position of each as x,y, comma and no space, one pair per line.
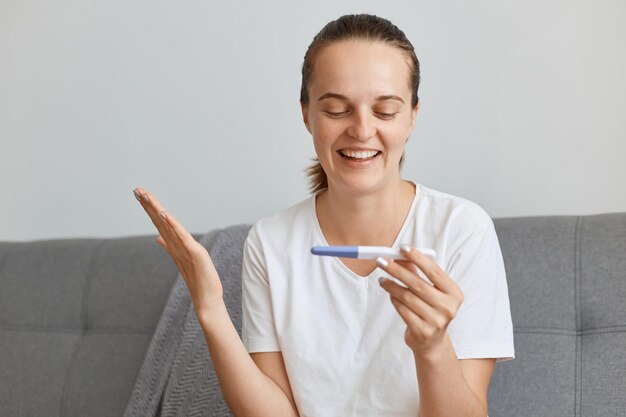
368,219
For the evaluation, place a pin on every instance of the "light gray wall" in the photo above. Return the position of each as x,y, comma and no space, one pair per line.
523,108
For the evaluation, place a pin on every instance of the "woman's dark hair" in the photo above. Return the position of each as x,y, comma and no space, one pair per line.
362,27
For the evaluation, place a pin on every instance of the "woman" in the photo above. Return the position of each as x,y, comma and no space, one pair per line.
321,336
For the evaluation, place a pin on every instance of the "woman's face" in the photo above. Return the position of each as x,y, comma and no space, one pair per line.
359,113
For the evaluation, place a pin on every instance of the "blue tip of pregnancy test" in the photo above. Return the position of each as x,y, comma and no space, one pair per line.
338,251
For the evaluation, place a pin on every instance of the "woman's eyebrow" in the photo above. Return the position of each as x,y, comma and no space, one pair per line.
342,97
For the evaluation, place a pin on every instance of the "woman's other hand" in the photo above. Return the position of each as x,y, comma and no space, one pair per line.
427,309
191,258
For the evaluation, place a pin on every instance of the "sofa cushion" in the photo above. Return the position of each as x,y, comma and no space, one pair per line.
567,282
76,316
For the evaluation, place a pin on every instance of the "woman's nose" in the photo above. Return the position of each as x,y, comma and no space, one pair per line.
361,127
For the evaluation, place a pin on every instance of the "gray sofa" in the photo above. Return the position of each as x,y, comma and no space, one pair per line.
77,316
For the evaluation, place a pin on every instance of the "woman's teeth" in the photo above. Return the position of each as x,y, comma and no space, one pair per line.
359,154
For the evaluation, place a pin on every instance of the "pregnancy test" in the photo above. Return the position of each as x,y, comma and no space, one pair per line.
366,252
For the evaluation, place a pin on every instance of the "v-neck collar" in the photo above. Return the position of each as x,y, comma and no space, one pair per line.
337,261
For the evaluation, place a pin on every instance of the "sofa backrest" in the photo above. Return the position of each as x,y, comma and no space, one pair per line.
567,286
76,316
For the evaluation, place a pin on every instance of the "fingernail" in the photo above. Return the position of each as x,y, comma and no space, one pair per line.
382,262
163,215
145,197
381,280
136,193
405,248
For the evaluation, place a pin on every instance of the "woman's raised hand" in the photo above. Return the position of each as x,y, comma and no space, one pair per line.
191,258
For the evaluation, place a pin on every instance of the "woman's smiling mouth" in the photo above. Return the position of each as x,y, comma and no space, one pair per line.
364,155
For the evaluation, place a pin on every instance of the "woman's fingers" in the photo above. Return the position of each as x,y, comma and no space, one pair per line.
412,267
410,317
409,278
408,299
435,274
152,206
162,243
179,230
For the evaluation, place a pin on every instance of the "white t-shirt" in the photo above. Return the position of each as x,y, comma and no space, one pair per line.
341,338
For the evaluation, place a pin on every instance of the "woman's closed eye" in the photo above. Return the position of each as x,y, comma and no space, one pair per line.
378,114
385,115
336,114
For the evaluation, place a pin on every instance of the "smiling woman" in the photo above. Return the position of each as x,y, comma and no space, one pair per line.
336,337
341,340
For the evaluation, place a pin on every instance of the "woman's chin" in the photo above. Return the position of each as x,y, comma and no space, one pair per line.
359,184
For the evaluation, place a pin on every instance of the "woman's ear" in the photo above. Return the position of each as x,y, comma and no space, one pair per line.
413,116
305,116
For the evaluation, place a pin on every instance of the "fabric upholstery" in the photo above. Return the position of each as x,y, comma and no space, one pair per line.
567,285
76,317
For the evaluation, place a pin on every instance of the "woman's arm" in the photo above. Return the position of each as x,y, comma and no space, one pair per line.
272,364
452,387
247,390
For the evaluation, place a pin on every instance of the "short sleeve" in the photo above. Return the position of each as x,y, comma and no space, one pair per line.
482,327
257,327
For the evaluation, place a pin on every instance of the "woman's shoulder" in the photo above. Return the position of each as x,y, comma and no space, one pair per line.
287,221
452,207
